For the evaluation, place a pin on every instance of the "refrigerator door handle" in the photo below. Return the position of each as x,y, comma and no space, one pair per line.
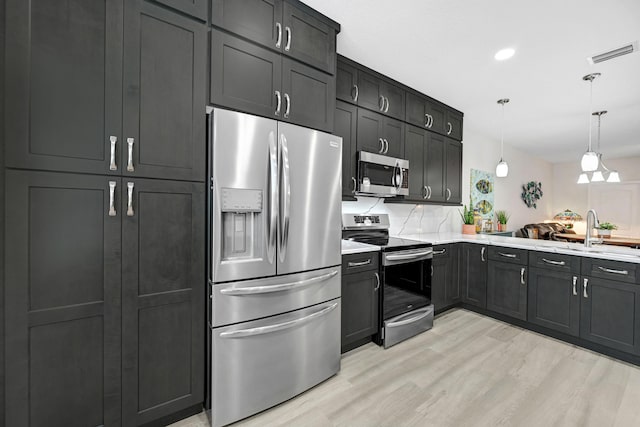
253,290
272,220
285,197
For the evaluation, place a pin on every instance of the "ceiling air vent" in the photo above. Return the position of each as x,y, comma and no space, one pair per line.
605,56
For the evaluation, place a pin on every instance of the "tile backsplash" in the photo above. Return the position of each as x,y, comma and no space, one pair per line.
407,218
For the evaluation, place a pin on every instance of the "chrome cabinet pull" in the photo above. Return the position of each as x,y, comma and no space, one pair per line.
507,255
381,141
552,262
355,184
287,100
609,270
279,102
381,103
429,196
522,271
575,281
355,96
112,191
113,166
448,194
431,270
425,192
482,253
287,47
360,263
440,252
386,144
430,121
257,290
585,282
279,36
130,167
387,108
129,198
377,282
449,128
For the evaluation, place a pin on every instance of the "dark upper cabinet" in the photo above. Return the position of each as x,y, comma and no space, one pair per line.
453,174
554,299
427,113
298,32
436,116
64,62
347,82
62,300
379,134
345,126
163,325
441,169
415,149
164,101
435,168
454,125
445,290
381,95
473,274
195,8
507,289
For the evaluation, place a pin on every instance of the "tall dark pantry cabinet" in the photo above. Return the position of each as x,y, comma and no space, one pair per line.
103,175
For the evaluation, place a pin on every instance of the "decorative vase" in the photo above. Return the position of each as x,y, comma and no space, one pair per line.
502,227
468,229
605,234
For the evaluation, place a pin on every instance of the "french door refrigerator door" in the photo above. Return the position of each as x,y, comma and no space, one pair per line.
310,178
245,196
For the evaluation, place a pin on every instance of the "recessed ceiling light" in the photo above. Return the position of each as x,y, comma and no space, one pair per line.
503,54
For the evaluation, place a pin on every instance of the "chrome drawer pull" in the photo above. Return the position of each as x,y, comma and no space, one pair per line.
507,255
359,264
277,327
522,271
575,281
440,252
254,290
608,270
130,167
129,198
549,261
112,165
584,288
112,190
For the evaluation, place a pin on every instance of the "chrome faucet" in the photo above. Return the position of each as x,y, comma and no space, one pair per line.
592,221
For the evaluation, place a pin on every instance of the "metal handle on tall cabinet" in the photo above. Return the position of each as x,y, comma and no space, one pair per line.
287,109
129,198
130,167
381,141
381,103
482,253
522,271
357,92
450,128
575,281
279,36
448,194
285,196
112,165
355,184
279,102
377,282
112,191
387,107
287,47
272,236
585,282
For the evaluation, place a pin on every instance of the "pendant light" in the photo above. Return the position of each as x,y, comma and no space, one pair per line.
589,160
502,169
598,175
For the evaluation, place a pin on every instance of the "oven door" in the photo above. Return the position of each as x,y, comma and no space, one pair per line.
406,281
381,175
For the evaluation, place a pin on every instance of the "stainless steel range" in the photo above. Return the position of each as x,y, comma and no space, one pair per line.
405,305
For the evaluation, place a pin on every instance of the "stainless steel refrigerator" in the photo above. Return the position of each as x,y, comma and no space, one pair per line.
275,225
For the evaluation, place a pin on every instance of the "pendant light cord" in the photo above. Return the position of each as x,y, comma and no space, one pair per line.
590,108
502,136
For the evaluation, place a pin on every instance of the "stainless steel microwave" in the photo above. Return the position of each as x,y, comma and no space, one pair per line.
382,176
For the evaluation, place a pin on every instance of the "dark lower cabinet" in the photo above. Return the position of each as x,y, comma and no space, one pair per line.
553,300
445,290
610,313
473,270
360,299
345,126
162,298
507,289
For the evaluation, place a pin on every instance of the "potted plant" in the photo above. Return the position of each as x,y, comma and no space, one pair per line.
502,217
468,226
604,229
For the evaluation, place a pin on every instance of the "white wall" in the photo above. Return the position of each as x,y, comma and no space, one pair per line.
478,153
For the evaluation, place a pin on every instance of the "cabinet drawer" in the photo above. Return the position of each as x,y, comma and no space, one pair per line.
557,262
498,253
613,270
354,263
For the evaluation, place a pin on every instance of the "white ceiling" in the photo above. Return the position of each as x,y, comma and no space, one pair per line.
445,48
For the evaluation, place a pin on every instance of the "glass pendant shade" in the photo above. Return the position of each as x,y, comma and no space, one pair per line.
589,161
583,179
502,169
613,177
597,177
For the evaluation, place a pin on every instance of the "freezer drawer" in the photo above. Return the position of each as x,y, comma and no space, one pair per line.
252,299
256,365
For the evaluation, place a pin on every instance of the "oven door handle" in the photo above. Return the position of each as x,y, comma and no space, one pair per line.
421,314
409,256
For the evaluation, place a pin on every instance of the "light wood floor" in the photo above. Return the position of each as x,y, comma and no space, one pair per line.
469,370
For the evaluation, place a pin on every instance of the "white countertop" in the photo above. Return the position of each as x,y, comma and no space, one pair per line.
616,253
351,247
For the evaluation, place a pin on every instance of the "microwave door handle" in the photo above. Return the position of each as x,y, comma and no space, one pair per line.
272,220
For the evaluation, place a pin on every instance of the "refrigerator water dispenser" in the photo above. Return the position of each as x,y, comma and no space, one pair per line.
241,224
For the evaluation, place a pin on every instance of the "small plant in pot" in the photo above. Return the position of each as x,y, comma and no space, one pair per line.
502,217
604,229
468,226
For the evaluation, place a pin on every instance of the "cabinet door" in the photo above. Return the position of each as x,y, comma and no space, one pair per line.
308,39
473,261
554,300
164,287
610,314
359,306
440,274
393,134
454,125
438,115
507,289
62,300
347,83
415,112
345,125
370,91
435,168
370,126
164,105
452,285
394,99
257,20
64,65
310,96
453,177
195,8
415,145
245,77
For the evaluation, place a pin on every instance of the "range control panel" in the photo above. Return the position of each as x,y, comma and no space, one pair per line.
372,221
